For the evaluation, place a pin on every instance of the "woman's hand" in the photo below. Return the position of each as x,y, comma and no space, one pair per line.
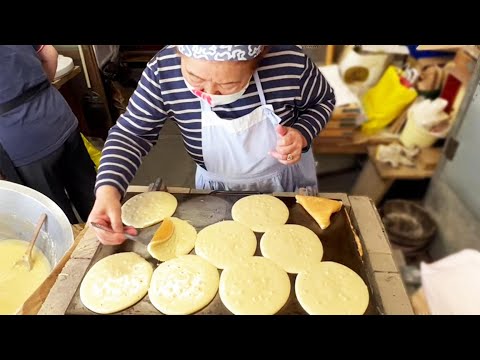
289,145
107,212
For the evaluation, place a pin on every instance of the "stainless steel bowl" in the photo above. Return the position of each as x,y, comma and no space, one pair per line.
20,209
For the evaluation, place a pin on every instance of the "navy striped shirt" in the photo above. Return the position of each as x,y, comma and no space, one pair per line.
293,85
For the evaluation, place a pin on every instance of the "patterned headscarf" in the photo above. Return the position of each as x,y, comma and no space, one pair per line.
221,52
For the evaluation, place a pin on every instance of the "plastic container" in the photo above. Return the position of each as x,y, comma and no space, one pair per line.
20,210
64,66
414,135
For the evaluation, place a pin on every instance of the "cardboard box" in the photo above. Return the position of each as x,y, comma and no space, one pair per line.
351,113
465,61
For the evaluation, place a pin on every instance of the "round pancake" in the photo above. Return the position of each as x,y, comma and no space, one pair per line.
223,243
183,285
115,283
180,243
293,247
254,286
260,212
148,208
330,288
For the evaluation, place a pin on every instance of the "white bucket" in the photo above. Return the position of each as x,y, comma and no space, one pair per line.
414,135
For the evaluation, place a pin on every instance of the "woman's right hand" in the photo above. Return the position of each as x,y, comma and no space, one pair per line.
107,212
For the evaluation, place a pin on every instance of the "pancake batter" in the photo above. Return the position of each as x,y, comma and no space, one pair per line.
16,282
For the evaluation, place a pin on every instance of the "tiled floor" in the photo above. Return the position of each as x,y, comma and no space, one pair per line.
168,160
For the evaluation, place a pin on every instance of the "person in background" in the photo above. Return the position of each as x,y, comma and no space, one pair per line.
7,169
40,143
247,113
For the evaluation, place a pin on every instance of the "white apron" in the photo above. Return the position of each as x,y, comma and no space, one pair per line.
236,153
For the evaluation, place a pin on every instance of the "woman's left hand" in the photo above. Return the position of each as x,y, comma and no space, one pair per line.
289,145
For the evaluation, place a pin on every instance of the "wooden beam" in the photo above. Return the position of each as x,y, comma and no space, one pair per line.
329,58
96,80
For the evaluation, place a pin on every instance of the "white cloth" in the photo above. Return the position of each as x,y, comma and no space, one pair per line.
221,52
452,284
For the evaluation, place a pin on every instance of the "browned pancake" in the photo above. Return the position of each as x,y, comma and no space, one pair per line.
319,208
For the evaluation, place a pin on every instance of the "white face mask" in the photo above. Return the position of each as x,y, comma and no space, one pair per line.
217,100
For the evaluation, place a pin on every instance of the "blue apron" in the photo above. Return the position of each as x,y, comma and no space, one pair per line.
235,153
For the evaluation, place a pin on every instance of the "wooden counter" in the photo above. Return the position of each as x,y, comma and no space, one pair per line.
425,164
366,223
58,83
325,145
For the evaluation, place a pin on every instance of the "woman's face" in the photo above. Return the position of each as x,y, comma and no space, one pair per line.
216,77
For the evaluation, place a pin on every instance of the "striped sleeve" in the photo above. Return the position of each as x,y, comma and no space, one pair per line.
134,134
316,103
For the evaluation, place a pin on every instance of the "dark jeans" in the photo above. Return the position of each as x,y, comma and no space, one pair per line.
7,169
68,168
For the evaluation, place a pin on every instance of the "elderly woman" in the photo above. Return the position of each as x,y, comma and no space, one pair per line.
247,114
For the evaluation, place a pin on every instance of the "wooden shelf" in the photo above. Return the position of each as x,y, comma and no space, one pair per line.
325,145
322,148
425,165
138,56
376,178
61,81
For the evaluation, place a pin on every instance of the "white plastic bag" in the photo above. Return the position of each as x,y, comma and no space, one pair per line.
452,285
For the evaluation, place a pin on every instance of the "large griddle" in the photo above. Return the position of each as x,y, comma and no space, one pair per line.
200,210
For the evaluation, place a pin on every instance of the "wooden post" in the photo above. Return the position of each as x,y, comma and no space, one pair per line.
330,54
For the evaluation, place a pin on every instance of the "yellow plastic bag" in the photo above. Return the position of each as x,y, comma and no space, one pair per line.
94,153
384,102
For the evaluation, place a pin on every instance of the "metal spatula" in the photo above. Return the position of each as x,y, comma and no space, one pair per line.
154,233
128,236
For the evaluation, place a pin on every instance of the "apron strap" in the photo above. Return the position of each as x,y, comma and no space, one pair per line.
204,105
259,88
